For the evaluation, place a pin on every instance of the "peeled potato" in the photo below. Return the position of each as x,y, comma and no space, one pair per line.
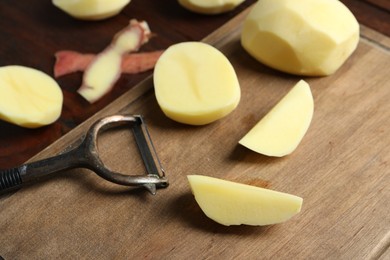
28,97
91,9
231,203
210,6
280,131
303,37
195,83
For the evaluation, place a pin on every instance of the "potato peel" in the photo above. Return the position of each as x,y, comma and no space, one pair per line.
71,61
105,68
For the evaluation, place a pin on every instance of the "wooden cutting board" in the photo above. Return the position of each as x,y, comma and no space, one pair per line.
341,169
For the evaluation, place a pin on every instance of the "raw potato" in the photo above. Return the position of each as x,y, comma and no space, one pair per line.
195,83
280,131
28,97
210,6
91,9
230,203
303,37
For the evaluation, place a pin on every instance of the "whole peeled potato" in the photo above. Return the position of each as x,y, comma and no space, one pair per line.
91,9
210,6
302,37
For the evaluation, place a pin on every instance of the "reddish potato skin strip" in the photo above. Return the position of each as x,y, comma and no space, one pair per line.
143,33
140,62
71,61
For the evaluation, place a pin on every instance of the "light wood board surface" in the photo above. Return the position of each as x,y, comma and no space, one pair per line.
341,169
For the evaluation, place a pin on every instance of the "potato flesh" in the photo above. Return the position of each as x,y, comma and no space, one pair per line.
210,6
91,9
302,37
231,203
280,131
28,97
195,83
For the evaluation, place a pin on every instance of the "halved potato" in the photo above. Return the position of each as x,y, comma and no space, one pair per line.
195,83
28,97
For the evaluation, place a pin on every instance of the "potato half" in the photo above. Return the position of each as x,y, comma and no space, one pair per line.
28,97
195,83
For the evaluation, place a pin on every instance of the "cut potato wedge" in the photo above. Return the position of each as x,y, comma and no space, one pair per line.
210,6
280,131
231,203
28,97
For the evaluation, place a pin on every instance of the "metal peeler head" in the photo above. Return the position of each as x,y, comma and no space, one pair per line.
153,178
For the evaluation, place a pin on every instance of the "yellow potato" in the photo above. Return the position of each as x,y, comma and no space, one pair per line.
210,6
28,97
303,37
195,83
280,131
231,203
91,9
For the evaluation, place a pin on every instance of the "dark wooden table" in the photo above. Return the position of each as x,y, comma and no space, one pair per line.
32,31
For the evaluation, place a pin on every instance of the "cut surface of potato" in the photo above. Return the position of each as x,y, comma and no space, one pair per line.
303,37
210,6
28,97
231,203
280,131
91,9
195,83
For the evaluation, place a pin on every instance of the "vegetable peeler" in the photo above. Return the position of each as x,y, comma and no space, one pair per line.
86,155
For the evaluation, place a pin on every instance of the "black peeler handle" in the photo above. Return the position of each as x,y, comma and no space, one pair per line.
14,178
85,155
10,179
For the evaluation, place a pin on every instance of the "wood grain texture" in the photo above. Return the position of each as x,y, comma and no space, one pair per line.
341,169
